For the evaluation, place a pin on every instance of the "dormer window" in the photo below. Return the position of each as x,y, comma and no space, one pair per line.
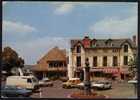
108,42
78,49
125,48
112,44
93,44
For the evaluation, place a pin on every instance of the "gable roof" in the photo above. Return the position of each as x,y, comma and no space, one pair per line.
102,43
55,54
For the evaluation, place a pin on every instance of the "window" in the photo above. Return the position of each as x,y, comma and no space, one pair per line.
95,61
78,49
29,80
60,64
105,61
79,61
115,61
115,50
125,60
50,64
94,43
125,48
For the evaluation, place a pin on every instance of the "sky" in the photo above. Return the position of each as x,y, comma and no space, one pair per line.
33,28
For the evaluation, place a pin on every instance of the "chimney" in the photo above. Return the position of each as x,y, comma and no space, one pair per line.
134,39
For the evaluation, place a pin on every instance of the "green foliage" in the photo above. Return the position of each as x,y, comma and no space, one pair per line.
133,66
10,59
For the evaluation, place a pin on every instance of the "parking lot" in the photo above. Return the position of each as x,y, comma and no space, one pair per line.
119,90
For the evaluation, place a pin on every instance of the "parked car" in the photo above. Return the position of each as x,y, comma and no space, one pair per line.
45,82
71,83
28,82
97,85
13,91
133,81
102,84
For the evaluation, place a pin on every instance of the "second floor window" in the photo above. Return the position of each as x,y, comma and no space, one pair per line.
115,61
125,60
78,61
95,61
125,48
78,49
105,61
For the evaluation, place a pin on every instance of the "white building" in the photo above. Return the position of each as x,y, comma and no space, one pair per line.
110,55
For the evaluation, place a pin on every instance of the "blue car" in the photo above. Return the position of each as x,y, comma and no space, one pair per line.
13,91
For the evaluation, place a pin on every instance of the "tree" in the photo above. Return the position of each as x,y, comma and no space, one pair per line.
133,66
10,59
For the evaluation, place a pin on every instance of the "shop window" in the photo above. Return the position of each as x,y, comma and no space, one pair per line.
79,61
125,48
125,60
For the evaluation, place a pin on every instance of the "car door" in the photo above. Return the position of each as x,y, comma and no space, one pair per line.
10,91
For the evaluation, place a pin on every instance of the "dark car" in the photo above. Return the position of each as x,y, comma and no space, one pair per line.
13,91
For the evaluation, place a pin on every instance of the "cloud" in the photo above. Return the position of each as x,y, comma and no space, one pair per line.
66,7
16,27
62,8
115,26
33,50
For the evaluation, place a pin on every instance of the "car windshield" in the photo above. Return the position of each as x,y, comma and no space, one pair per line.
34,80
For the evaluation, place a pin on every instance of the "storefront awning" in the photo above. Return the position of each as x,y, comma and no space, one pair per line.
105,70
111,70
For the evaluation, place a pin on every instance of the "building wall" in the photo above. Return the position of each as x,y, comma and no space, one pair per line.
100,53
130,54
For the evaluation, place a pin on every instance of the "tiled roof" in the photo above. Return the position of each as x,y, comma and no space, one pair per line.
104,43
55,54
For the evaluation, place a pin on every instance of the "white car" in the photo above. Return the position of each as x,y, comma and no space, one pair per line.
98,85
133,81
45,82
102,84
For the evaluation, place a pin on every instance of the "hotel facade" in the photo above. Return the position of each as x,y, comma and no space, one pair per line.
105,55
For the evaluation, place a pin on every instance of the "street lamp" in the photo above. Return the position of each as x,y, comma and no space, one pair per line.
87,83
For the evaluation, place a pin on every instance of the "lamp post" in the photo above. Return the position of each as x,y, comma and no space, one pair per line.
87,83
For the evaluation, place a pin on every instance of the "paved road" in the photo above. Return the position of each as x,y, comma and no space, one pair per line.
119,90
54,92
